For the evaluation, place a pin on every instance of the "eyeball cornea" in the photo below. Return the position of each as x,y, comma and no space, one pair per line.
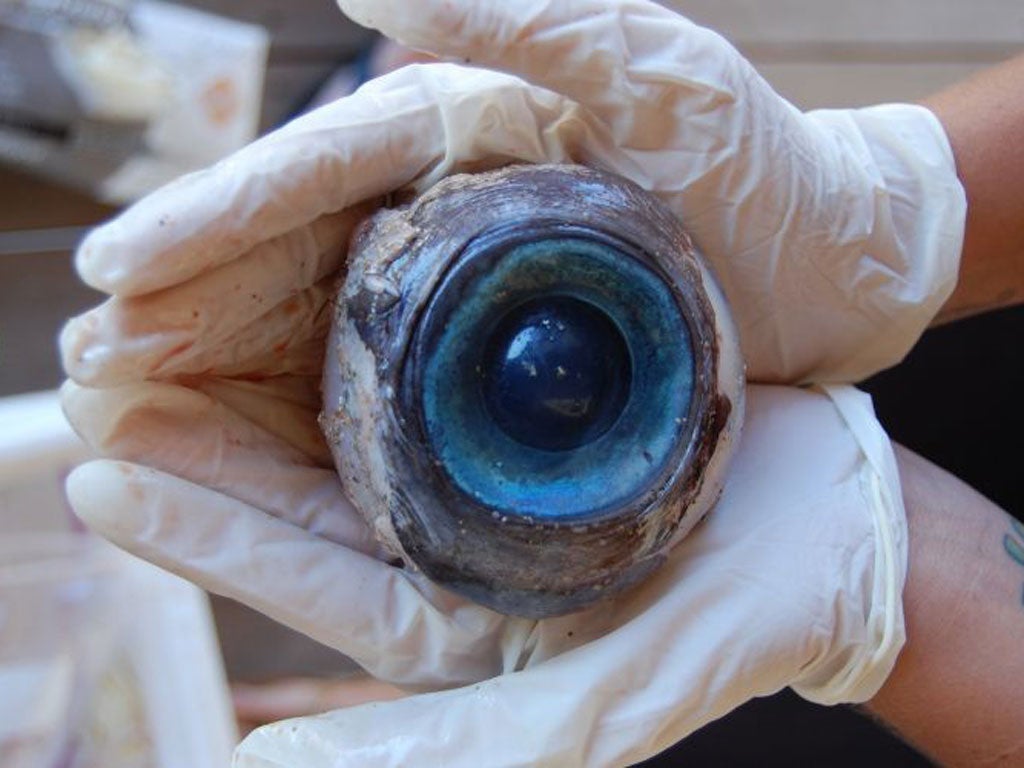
532,385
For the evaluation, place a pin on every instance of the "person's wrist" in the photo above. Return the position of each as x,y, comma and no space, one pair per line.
963,609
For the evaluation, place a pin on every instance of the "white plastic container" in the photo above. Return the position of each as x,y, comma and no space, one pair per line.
105,660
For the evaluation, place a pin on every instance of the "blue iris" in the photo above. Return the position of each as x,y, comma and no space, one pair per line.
555,374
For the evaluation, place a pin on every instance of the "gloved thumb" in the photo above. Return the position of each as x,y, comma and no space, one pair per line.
531,718
611,702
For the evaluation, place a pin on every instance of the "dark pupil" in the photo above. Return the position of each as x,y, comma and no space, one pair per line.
555,373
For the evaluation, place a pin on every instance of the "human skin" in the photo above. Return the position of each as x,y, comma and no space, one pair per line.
984,119
956,691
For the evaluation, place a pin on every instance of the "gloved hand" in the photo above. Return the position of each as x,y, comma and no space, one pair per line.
795,579
836,234
831,229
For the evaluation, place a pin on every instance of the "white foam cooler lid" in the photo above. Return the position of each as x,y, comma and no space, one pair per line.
167,640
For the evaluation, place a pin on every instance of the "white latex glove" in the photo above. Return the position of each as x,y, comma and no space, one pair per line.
836,234
795,579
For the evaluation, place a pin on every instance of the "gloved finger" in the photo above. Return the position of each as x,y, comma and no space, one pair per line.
188,434
158,334
289,340
286,406
612,702
393,130
767,593
373,612
645,71
100,350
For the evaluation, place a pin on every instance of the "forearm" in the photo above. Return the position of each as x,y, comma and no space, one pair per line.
957,691
984,119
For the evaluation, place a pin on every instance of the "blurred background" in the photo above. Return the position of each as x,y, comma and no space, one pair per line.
71,155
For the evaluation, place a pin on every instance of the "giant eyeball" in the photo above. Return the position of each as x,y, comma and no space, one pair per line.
532,385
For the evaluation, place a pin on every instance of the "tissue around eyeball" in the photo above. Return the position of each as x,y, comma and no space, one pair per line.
392,436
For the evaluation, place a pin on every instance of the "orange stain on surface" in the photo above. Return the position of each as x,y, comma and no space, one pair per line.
220,101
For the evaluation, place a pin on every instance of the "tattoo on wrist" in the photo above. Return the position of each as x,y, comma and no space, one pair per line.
1013,543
